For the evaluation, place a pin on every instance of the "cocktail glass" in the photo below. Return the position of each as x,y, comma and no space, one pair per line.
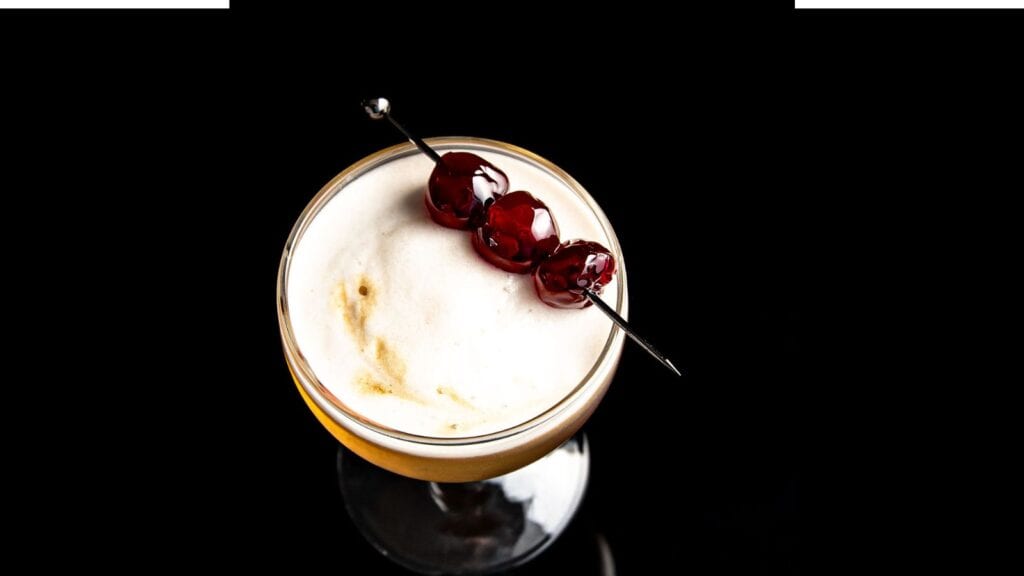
458,505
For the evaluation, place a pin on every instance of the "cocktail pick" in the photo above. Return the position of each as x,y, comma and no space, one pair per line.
378,108
621,323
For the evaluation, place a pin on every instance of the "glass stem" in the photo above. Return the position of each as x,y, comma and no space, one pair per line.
460,497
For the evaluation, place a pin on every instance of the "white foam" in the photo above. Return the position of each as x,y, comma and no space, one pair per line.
443,344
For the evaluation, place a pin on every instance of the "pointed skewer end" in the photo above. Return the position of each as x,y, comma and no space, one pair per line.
621,323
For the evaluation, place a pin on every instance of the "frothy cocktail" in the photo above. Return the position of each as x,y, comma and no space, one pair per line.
415,352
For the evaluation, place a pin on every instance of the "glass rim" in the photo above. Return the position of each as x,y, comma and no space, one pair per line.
334,407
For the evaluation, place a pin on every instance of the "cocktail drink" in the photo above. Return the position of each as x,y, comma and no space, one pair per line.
425,359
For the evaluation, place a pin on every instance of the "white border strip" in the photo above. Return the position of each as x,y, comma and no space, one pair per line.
91,4
909,3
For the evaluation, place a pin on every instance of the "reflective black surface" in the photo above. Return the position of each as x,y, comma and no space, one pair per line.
191,418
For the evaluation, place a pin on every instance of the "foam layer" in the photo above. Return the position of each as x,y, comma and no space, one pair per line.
406,325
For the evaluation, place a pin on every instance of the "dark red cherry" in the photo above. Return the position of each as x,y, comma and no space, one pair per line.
517,233
575,265
460,189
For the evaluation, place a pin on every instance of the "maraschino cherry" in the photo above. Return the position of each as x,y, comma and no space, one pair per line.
518,232
461,189
563,279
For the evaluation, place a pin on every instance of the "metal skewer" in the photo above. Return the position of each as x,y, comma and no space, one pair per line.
621,323
378,108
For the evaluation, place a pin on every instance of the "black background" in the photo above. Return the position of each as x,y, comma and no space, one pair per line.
183,170
704,472
821,187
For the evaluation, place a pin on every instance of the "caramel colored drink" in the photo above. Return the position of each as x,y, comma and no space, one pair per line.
417,354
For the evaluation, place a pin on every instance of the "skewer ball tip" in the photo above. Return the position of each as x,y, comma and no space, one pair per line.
377,108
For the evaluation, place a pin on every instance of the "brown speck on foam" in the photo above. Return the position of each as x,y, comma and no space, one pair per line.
389,362
386,369
378,383
370,385
453,426
355,312
455,397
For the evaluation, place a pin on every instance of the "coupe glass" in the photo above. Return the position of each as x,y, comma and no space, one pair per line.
458,505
